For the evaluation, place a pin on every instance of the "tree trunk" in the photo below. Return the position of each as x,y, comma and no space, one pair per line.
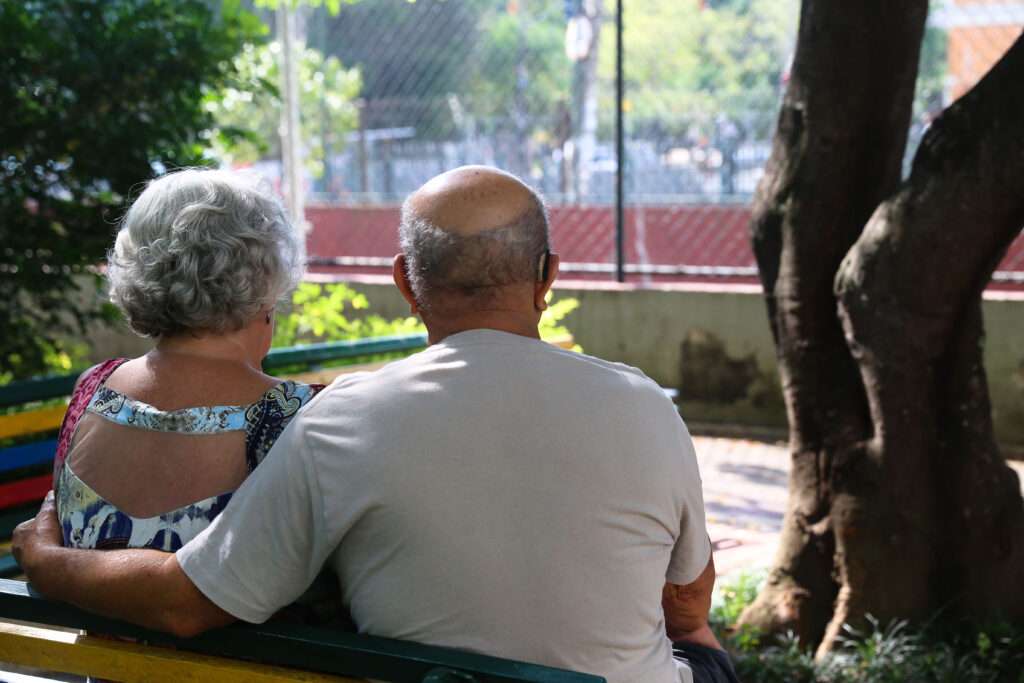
948,505
899,500
837,153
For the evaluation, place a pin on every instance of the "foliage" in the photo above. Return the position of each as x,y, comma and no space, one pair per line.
413,58
325,313
251,107
880,653
728,58
468,64
336,312
930,87
97,96
931,76
551,320
729,599
523,70
332,6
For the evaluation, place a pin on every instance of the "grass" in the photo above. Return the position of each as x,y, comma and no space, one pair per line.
939,652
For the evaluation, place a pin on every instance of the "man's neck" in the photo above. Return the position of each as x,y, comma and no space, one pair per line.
513,322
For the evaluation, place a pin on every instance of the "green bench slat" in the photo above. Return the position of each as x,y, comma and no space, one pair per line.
302,647
8,567
327,351
37,389
43,388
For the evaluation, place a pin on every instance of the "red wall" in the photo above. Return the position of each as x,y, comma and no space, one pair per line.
698,235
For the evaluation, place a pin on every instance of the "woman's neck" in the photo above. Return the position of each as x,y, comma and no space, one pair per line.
228,348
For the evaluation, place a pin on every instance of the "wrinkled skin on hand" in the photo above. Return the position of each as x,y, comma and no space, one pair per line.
32,537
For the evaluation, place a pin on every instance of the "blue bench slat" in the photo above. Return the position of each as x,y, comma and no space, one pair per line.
36,453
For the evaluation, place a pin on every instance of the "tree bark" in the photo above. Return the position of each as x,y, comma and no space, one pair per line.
900,503
837,153
910,302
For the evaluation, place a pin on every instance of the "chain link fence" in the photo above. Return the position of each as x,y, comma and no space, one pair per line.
529,86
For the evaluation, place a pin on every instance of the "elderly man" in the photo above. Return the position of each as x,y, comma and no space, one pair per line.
493,492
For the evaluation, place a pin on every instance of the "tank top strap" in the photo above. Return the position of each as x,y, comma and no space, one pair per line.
91,380
267,418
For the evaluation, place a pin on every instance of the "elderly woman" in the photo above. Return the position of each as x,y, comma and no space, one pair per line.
152,448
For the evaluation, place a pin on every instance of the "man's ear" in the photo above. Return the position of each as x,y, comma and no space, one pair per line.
401,275
542,287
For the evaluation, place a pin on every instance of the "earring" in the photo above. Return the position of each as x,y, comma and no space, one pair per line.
268,317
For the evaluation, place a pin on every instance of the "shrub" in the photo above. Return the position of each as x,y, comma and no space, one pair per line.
336,312
96,97
938,652
332,313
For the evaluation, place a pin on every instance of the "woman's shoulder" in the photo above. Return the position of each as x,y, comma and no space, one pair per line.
267,418
97,375
85,387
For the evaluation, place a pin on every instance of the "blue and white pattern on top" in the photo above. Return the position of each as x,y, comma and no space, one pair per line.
123,410
90,521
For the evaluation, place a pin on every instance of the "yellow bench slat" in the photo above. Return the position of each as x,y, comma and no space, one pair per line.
31,422
116,660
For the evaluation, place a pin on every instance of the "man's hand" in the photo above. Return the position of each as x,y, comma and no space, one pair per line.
32,539
145,587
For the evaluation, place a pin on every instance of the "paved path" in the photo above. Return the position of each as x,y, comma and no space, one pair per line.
745,489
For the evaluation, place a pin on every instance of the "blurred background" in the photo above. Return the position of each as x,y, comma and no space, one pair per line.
393,92
346,106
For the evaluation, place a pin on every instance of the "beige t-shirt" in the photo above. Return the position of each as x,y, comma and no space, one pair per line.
492,493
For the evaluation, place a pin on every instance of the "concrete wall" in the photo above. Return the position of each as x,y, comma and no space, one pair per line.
115,342
711,342
714,344
1004,362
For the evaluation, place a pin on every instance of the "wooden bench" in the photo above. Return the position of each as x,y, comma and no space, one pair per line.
39,634
46,635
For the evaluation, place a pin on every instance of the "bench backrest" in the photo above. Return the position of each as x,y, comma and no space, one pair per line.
290,645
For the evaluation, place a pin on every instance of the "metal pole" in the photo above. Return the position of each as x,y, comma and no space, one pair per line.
364,158
578,98
291,152
620,152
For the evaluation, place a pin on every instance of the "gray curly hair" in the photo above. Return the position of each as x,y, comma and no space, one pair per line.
202,250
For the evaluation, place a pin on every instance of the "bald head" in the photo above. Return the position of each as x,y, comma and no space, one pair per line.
472,199
469,234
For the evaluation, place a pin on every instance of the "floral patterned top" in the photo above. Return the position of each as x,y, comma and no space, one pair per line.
90,521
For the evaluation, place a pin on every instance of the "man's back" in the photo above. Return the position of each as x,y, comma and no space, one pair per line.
498,494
